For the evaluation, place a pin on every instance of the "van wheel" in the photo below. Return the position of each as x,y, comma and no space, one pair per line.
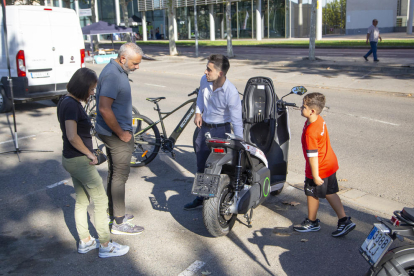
5,103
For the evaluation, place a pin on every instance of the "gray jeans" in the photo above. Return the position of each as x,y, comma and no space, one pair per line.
119,157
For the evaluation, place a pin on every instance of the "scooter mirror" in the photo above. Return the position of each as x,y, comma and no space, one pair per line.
299,90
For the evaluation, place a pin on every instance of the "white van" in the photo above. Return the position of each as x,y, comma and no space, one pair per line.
46,47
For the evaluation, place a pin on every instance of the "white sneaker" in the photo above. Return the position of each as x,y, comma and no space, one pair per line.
113,250
88,246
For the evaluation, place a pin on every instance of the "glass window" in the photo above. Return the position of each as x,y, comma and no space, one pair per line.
275,21
107,11
245,19
182,23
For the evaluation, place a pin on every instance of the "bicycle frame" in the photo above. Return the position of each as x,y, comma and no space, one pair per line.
181,125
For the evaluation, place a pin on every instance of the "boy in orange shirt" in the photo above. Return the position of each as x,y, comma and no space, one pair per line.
321,167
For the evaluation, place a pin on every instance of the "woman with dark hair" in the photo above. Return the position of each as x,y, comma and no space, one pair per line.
78,159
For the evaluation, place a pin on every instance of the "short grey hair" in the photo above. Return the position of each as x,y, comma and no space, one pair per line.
129,49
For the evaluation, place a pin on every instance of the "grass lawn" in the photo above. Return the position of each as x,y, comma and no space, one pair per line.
287,43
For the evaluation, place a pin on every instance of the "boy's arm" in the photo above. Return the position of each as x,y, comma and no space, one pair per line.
314,165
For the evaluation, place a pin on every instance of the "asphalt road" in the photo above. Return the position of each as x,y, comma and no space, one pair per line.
370,128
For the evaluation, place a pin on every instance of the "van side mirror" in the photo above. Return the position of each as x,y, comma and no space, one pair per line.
299,90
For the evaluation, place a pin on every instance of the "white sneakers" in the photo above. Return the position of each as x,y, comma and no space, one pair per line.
112,250
88,246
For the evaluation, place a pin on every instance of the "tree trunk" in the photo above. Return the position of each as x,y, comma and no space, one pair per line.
230,53
95,37
312,35
171,35
124,6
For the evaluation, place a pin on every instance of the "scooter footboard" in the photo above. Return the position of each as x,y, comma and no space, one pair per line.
206,185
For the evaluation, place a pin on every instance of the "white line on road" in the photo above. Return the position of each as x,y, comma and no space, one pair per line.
367,118
155,85
25,137
34,192
192,269
58,183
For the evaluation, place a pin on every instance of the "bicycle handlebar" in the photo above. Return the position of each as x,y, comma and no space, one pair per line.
194,92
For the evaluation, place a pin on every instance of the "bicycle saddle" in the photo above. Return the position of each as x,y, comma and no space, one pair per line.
155,100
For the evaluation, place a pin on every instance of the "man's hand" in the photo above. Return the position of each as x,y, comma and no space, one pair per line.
126,136
318,181
93,158
366,42
380,39
198,120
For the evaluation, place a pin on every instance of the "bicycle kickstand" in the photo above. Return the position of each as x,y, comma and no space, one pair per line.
173,155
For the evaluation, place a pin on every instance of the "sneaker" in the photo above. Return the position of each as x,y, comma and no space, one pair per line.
344,228
128,217
126,228
376,60
197,203
85,247
365,58
113,250
307,226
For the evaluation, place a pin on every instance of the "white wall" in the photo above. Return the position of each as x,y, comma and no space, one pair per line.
361,13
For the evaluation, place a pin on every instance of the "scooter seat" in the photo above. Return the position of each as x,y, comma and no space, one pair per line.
408,213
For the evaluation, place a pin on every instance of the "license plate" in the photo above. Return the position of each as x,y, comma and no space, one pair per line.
40,75
376,244
205,185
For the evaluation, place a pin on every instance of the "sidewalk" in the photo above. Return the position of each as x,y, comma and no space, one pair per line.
271,56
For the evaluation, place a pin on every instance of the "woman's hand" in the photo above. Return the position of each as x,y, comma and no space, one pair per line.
93,158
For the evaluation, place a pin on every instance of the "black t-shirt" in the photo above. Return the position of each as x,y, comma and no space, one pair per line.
70,109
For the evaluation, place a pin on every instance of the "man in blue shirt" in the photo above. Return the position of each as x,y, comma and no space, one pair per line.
218,105
114,126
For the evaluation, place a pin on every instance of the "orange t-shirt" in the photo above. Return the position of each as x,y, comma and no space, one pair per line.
315,142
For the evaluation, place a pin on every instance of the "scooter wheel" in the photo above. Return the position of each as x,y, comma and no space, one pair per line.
217,223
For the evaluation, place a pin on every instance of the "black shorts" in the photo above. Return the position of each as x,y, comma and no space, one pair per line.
329,186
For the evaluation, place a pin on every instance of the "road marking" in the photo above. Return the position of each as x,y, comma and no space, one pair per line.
25,137
58,183
155,85
370,119
12,200
175,166
192,269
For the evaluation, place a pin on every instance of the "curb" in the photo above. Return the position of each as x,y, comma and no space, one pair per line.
355,197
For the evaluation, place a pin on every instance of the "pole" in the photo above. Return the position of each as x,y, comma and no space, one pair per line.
195,28
410,17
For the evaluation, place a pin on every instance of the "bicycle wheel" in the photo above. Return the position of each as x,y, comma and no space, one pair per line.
147,141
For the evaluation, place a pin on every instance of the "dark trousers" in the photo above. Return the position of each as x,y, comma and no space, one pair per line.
119,157
373,50
202,151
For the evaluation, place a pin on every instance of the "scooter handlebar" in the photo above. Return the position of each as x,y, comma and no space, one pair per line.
290,104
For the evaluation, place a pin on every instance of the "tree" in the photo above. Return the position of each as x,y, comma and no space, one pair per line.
334,14
124,6
171,34
312,35
230,53
95,37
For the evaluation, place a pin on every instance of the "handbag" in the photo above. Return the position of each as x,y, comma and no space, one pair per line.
98,152
100,156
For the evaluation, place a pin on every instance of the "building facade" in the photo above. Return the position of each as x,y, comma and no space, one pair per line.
250,19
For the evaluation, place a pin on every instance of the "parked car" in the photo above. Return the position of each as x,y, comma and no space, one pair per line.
45,48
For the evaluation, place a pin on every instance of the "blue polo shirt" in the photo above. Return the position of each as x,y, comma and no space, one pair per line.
114,83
